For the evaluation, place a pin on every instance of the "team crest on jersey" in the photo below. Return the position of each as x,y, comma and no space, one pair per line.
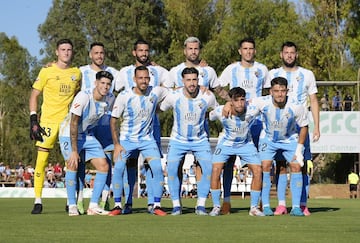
298,78
201,106
152,100
202,74
73,78
257,74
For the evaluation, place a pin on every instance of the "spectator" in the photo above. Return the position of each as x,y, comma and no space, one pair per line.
185,178
348,102
88,178
184,192
19,170
7,173
58,172
325,103
2,171
19,182
50,173
336,102
353,180
193,192
27,177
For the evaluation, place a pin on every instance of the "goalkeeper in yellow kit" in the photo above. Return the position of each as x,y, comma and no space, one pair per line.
58,85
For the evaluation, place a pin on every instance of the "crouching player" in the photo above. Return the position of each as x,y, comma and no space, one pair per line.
76,136
235,140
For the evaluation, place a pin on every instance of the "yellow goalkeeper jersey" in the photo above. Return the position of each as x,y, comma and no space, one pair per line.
58,87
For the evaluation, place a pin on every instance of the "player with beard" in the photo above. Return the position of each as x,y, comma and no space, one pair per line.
207,75
301,85
123,81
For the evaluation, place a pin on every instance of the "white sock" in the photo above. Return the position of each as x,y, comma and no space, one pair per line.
104,195
176,203
201,202
38,200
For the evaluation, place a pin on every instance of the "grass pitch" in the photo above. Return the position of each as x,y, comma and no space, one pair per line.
332,220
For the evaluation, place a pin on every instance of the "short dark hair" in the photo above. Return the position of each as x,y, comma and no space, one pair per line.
247,39
104,74
140,42
279,81
189,70
96,43
288,44
237,92
64,41
140,68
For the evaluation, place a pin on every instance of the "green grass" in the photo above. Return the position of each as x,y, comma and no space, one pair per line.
331,221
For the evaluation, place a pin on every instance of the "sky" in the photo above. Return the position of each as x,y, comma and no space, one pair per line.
21,18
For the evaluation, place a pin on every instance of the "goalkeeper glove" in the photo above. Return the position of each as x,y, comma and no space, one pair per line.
36,132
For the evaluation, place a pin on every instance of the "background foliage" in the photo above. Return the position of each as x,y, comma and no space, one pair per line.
326,31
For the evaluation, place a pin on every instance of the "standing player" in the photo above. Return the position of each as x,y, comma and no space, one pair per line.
188,135
207,75
235,140
58,83
125,80
251,76
102,130
281,115
76,135
136,108
302,85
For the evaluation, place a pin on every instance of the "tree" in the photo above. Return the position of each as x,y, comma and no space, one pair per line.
115,23
15,83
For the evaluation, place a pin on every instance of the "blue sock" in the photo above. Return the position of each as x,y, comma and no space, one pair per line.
255,196
296,182
305,190
173,180
117,180
215,195
204,184
281,187
131,178
99,182
227,179
71,182
149,182
157,180
265,194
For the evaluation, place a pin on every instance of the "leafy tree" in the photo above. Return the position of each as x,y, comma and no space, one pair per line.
115,23
15,83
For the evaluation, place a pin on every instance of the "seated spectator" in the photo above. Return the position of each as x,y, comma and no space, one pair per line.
166,193
7,173
58,171
2,171
185,178
50,173
60,184
19,182
27,178
193,192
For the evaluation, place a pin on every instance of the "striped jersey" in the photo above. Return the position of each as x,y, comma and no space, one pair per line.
88,109
137,112
236,129
301,83
251,79
207,77
280,124
89,76
188,114
125,78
